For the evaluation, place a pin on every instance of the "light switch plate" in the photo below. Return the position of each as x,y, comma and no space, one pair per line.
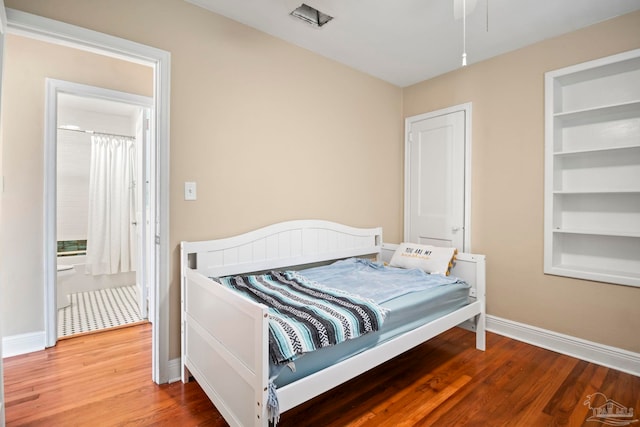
190,191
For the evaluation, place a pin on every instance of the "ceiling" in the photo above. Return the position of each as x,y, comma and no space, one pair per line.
407,41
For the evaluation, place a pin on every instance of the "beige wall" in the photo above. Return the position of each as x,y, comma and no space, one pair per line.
507,93
243,104
269,132
27,63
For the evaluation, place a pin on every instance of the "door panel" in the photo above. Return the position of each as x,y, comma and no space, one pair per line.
142,283
436,179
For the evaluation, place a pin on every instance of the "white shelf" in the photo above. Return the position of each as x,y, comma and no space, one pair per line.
598,69
599,275
595,192
599,114
600,150
592,232
592,170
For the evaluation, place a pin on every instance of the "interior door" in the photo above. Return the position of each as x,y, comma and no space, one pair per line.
142,212
435,179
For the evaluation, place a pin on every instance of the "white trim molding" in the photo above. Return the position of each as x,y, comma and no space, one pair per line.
15,345
174,370
611,357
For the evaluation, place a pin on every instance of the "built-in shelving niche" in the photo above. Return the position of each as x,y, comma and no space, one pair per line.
592,170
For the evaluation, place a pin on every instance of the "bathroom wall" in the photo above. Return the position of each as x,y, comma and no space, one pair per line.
73,157
73,160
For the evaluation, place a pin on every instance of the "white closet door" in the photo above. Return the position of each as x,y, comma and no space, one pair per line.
435,163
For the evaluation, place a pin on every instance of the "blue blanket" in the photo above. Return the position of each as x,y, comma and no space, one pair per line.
375,281
304,316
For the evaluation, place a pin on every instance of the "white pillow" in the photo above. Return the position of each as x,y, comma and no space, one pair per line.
431,259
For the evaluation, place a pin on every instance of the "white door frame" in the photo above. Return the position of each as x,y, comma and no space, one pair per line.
409,121
53,88
33,26
3,27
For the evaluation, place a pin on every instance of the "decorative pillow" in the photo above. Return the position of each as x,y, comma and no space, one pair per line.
431,259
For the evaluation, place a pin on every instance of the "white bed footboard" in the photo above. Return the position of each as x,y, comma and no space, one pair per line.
225,335
224,339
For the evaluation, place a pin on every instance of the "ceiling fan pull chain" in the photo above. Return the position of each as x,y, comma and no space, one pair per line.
464,33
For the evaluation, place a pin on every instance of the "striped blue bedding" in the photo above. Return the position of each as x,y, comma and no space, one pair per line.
304,316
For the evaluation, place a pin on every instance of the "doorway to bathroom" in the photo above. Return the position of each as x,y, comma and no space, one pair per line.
104,191
86,41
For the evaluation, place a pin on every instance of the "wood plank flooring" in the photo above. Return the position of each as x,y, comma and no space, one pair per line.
104,380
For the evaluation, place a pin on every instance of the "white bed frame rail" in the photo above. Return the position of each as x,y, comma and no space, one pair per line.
225,336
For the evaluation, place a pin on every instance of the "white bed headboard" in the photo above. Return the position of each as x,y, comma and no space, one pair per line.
280,245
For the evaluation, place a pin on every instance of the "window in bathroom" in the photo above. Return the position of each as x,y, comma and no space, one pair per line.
72,247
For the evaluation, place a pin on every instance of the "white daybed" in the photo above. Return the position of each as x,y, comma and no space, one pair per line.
225,336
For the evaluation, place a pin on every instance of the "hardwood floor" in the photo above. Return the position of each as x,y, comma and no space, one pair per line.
104,380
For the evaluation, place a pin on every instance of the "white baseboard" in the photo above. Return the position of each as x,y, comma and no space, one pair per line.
611,357
15,345
174,370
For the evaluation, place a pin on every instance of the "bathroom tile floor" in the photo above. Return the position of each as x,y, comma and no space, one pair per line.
95,310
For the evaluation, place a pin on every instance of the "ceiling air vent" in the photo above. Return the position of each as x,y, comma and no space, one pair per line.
311,15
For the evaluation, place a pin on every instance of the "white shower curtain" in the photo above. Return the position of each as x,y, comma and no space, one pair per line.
111,234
